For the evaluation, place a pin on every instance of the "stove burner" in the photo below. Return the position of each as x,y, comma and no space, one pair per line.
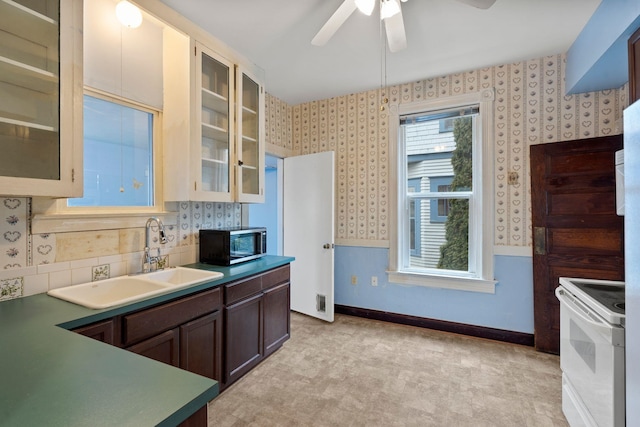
611,297
604,297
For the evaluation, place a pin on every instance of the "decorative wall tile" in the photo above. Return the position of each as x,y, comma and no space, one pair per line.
14,232
43,248
208,215
100,272
11,288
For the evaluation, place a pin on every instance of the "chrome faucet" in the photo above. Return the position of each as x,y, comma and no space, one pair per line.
148,261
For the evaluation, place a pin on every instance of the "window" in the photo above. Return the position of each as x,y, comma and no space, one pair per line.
118,154
454,247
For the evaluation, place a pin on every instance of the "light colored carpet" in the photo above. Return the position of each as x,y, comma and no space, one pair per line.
361,372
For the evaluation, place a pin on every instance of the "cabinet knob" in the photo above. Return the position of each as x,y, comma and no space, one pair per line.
240,163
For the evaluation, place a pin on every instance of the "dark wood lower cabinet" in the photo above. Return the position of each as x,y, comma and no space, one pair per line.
277,319
201,345
220,333
256,320
102,331
244,342
164,348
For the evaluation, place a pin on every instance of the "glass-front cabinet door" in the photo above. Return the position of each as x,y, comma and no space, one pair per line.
213,159
250,141
39,51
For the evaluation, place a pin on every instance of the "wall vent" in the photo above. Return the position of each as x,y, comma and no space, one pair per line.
321,303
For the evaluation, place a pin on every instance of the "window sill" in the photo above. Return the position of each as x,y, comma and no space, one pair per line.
444,282
68,222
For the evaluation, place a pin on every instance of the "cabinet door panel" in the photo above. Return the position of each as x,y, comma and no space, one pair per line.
101,331
243,337
276,317
201,346
41,98
164,348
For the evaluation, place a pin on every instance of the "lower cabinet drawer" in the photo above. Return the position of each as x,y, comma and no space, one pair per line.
276,276
242,289
152,321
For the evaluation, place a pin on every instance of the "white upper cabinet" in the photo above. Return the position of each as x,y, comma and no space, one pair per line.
250,111
41,97
222,159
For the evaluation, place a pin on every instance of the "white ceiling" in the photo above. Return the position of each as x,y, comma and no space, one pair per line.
443,37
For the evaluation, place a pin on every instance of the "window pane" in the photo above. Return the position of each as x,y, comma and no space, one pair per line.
118,155
447,244
443,161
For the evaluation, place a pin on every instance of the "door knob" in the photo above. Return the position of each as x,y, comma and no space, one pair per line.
327,246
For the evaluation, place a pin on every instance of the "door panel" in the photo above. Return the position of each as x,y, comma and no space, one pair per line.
276,317
309,232
164,348
201,346
243,337
576,230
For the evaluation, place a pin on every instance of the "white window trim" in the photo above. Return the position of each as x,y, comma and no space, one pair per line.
485,283
54,216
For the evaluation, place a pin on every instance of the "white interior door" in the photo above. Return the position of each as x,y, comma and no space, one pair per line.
309,232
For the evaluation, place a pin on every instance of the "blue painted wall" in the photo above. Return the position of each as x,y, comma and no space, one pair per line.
266,214
510,308
597,60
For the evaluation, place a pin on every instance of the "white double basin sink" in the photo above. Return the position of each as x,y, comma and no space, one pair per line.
126,289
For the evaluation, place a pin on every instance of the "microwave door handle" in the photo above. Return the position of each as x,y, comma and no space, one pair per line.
577,308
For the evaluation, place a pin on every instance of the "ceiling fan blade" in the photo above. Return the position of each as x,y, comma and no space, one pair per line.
331,26
396,36
480,4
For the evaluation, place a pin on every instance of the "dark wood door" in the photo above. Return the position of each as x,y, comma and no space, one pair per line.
201,346
276,317
164,348
634,67
243,337
576,232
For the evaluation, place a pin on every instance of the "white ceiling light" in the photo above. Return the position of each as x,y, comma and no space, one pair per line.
366,6
389,8
128,14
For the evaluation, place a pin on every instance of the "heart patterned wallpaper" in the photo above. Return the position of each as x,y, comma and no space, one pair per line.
529,108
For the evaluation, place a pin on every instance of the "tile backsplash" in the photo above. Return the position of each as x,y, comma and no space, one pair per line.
14,239
35,263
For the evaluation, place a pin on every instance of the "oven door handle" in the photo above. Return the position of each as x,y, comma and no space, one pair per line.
582,311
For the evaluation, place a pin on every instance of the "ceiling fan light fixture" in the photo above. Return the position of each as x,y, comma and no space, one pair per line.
366,6
389,8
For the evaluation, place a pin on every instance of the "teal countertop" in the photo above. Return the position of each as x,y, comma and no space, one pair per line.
54,377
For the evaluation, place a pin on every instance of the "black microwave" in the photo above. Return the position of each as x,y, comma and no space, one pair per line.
229,246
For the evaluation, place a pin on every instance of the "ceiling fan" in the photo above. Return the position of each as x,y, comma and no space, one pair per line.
390,13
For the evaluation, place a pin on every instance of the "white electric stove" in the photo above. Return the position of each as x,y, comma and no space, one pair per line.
592,339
